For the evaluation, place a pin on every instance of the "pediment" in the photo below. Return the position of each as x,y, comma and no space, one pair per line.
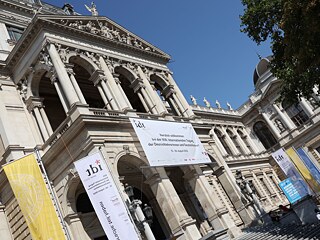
271,89
103,27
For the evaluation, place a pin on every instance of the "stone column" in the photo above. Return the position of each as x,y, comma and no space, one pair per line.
124,96
56,85
230,142
152,93
271,125
63,76
242,144
258,183
76,227
216,140
176,215
111,82
99,80
33,105
138,88
184,102
230,186
252,144
75,83
272,188
306,107
46,121
217,214
287,121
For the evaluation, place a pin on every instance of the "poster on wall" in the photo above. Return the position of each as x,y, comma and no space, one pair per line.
169,143
289,190
290,171
314,170
105,198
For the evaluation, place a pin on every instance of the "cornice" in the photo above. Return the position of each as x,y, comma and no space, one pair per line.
60,24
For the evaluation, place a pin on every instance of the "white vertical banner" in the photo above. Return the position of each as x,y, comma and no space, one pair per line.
105,198
284,162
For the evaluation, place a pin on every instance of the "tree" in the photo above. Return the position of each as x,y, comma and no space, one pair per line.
294,29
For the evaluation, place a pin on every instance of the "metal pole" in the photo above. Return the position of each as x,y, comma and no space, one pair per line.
142,219
52,193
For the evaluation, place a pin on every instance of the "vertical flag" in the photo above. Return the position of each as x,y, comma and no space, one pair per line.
290,171
105,198
309,164
30,190
303,170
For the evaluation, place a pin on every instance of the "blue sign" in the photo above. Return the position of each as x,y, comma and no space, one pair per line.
290,190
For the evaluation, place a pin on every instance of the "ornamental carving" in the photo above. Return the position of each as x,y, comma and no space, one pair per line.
105,29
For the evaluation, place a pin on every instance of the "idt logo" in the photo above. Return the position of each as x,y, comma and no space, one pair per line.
139,124
92,170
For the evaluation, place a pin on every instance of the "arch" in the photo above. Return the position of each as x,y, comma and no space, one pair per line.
131,86
126,72
83,70
265,136
128,167
235,140
244,138
83,61
162,83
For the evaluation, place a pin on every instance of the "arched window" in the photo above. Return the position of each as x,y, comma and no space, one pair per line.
83,204
221,138
235,141
53,106
245,139
295,112
263,133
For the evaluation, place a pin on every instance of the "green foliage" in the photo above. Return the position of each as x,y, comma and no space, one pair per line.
294,29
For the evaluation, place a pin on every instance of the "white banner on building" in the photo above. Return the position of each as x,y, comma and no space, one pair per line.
169,143
105,198
290,171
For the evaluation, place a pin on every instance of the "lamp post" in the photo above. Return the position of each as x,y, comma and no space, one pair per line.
247,188
142,218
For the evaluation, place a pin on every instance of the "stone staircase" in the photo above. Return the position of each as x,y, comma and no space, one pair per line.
281,232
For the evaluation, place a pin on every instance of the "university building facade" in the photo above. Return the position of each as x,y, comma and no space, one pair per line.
69,84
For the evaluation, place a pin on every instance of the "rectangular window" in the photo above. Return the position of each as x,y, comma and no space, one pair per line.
15,33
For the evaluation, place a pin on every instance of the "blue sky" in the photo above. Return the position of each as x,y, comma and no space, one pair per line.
210,56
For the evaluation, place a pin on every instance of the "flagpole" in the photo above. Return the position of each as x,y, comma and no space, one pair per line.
52,193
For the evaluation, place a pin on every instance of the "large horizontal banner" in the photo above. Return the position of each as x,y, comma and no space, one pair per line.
169,143
290,171
30,190
105,198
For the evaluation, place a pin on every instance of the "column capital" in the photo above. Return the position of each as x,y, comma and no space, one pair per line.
168,91
98,76
137,84
34,102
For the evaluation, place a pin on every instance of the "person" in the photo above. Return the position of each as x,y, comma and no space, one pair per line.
284,209
317,211
274,216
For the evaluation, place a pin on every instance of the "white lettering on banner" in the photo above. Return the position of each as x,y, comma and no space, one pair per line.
169,143
105,198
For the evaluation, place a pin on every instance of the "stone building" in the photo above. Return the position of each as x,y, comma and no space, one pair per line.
68,85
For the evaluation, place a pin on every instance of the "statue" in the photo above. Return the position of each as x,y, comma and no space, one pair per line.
218,104
206,102
92,9
194,100
229,106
